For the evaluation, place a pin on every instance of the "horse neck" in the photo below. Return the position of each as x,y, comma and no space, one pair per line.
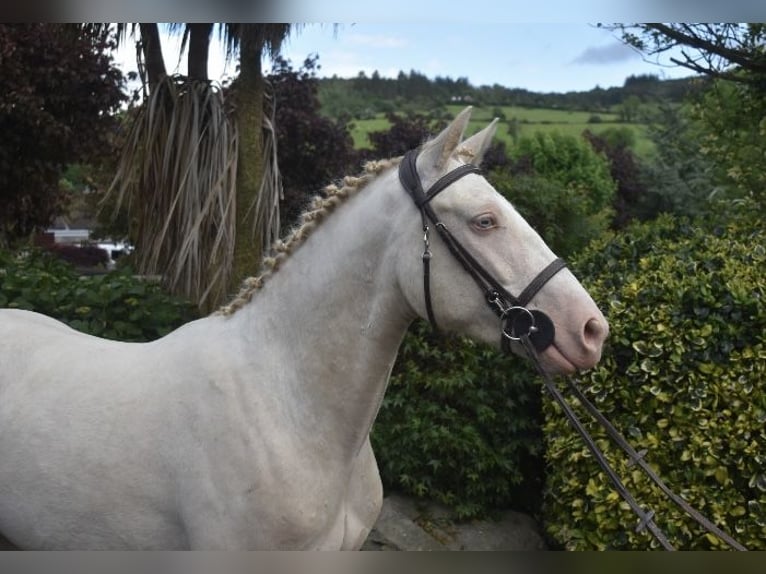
338,312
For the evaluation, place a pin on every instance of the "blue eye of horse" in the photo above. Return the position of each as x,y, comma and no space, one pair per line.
485,222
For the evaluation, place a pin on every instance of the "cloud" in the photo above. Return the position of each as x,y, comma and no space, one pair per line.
377,41
348,64
606,54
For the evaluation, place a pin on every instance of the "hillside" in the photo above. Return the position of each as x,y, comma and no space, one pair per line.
363,103
365,96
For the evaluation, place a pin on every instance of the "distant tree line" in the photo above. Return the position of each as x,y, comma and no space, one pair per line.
364,96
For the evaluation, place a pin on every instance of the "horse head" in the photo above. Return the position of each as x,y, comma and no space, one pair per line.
486,272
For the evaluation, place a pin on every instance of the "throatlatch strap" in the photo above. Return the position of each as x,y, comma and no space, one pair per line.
427,288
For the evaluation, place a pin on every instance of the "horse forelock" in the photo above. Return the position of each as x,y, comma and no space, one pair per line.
319,208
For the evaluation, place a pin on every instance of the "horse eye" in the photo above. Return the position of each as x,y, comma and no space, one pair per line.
484,221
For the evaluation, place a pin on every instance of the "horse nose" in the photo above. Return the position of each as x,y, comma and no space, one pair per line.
594,333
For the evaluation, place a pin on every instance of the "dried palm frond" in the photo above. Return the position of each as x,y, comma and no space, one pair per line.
264,210
177,176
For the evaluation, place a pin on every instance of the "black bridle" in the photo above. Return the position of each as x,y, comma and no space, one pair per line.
517,321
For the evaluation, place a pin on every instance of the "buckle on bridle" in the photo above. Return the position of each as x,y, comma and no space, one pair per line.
521,321
495,300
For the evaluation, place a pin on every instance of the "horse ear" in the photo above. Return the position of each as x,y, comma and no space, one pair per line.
437,151
474,147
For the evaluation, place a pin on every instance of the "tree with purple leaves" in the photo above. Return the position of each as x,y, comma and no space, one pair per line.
60,93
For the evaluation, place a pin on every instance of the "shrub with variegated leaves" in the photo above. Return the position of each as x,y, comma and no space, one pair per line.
683,376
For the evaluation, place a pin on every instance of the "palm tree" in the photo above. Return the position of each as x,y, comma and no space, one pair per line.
198,173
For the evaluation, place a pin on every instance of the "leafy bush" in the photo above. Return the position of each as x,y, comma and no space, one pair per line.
115,305
460,424
732,126
682,376
405,132
561,185
625,169
679,178
556,211
571,162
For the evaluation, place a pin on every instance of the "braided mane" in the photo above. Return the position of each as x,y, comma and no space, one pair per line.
319,208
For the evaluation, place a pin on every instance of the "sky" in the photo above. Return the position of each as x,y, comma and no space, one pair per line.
536,56
540,57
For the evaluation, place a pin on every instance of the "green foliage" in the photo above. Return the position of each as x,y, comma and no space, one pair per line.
115,306
557,212
732,119
571,162
561,186
364,96
625,169
404,132
630,110
682,376
460,424
622,136
679,179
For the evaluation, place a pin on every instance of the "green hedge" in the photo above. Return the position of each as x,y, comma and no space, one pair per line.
115,305
460,424
683,376
561,186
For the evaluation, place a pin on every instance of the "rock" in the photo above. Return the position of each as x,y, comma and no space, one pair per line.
396,529
406,524
513,531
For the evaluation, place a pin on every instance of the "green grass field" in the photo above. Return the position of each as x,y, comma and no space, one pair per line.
533,115
530,120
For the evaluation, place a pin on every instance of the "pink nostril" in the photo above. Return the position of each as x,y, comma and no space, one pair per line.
594,334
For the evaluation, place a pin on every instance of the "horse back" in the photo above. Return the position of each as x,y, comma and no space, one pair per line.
80,440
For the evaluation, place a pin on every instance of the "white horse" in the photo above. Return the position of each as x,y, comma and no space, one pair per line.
249,429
